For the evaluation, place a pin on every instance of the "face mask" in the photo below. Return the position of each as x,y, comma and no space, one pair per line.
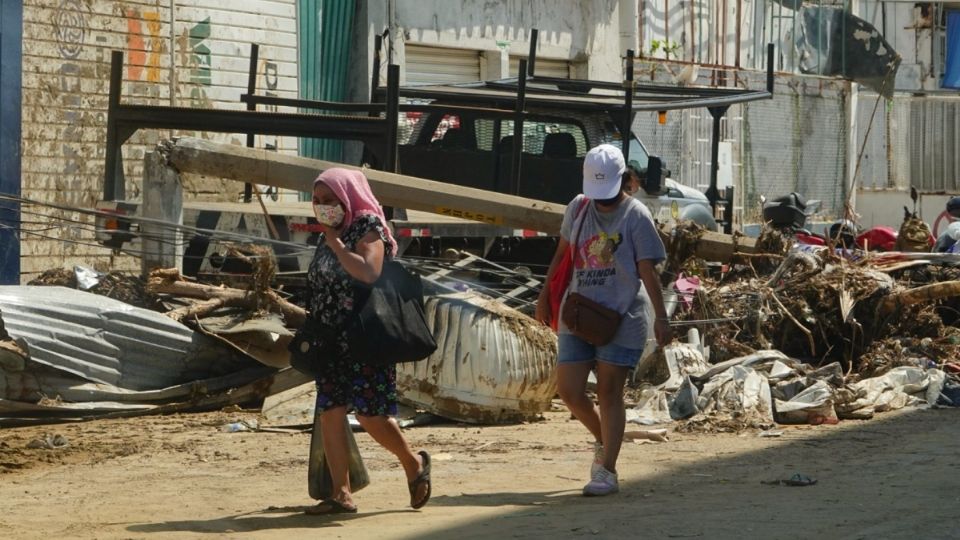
329,214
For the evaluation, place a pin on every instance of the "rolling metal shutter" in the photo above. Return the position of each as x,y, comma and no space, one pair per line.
546,67
438,65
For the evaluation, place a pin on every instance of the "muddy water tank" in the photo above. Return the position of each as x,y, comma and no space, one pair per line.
492,365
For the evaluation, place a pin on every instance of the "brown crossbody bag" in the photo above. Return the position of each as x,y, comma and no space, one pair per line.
588,320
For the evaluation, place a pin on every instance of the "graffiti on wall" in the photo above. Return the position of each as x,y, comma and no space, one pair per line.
271,79
144,54
195,55
71,28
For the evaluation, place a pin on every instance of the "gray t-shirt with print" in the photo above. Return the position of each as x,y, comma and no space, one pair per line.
609,245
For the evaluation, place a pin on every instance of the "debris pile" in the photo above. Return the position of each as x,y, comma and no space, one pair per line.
80,346
803,334
122,286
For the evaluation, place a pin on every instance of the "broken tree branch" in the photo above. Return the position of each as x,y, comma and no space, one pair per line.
169,281
813,349
918,295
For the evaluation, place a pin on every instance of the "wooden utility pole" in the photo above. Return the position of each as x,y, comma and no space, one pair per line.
196,156
162,201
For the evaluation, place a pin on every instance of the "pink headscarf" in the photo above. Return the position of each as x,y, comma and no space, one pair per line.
353,190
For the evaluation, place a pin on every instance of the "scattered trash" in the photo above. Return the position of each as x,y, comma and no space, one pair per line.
644,436
49,442
421,419
687,286
243,425
772,433
87,278
797,480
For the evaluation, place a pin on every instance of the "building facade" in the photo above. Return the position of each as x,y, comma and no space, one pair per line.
813,137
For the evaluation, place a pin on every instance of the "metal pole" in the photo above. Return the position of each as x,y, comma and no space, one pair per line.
532,57
375,76
626,129
713,192
693,32
251,106
770,67
666,26
393,116
113,184
514,187
736,60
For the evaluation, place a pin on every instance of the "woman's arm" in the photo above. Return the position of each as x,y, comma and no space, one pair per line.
543,301
366,263
648,274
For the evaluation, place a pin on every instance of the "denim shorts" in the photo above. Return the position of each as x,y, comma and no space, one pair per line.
572,349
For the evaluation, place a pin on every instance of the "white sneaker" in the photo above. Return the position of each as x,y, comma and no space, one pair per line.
598,457
604,482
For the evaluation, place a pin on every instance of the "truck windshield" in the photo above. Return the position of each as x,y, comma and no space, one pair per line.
611,135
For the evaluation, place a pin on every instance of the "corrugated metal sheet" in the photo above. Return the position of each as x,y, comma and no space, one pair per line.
935,144
875,164
326,30
492,364
423,64
105,341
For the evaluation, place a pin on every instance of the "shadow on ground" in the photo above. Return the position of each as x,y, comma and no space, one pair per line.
288,517
885,478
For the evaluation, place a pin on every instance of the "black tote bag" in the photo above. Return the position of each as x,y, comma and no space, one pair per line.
388,326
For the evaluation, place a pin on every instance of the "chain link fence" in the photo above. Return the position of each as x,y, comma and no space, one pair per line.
795,142
934,143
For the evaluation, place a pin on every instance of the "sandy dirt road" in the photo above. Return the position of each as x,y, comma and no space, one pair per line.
182,477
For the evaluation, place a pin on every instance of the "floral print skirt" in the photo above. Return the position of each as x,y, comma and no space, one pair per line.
365,390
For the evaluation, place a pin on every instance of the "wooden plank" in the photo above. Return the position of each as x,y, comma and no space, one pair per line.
719,247
263,167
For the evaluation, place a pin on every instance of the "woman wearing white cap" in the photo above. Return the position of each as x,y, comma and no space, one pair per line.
615,247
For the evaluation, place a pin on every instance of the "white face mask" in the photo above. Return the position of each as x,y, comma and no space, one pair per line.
330,215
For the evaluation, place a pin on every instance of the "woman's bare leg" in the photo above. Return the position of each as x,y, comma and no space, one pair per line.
572,387
613,415
386,432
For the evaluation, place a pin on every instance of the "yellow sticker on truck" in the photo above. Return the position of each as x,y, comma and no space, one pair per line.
467,214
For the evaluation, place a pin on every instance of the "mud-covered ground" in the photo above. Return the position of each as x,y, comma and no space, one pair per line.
184,477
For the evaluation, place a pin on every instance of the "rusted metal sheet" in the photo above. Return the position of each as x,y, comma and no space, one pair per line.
87,356
93,346
493,365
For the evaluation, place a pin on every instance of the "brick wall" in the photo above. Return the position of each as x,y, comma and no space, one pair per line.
177,52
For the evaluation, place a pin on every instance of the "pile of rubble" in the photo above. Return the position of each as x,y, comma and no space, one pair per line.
794,334
84,344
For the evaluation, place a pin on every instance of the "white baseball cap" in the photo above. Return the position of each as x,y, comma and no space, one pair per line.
603,168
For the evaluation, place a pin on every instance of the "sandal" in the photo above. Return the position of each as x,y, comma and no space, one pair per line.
330,506
421,479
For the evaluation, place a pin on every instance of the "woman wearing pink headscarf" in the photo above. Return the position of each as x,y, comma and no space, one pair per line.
355,241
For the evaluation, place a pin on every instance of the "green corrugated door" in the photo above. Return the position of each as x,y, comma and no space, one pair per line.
325,31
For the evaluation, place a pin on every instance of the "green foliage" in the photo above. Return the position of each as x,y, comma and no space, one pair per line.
667,46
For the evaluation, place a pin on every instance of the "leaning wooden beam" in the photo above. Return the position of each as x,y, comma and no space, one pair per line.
196,156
